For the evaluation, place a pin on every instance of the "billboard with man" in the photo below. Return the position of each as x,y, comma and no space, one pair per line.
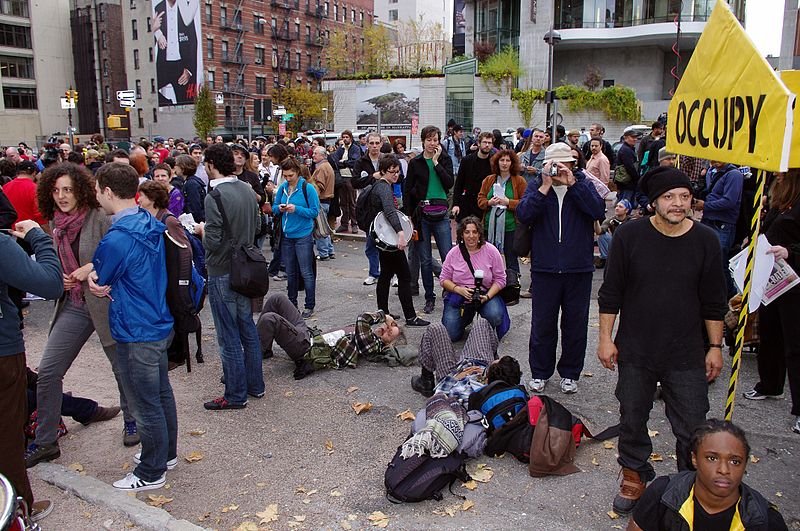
175,26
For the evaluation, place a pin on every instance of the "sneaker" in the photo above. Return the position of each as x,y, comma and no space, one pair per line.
394,282
171,464
752,394
130,435
220,403
630,490
332,256
537,385
341,229
429,306
323,258
133,483
278,278
302,368
307,313
102,414
796,427
40,510
569,386
257,395
526,294
267,354
354,229
416,321
37,453
370,281
599,263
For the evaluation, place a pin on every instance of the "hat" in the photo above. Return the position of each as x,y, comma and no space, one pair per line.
239,147
458,127
93,153
663,154
27,166
526,133
663,179
632,132
573,132
558,152
626,204
159,139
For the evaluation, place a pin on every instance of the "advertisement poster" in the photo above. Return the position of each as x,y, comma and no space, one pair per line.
396,100
175,26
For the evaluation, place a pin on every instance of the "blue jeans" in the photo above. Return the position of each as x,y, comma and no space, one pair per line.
144,370
440,230
726,232
372,256
298,255
237,337
604,244
456,317
325,245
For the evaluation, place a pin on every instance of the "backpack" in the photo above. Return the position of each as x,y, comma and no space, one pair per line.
364,213
499,402
319,354
186,287
422,477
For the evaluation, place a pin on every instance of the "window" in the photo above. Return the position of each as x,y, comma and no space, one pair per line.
223,16
392,15
361,18
16,8
258,27
297,30
103,40
134,29
353,16
335,11
274,24
140,116
210,79
392,1
19,98
297,58
101,12
261,85
210,47
155,115
308,33
224,50
105,67
138,89
107,92
15,36
136,59
209,14
19,67
152,86
226,79
147,27
276,82
150,53
259,56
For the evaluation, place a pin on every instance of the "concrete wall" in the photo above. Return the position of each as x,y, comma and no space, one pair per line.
52,48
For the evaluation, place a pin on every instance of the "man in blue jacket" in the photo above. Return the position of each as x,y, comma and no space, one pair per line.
130,269
561,209
721,206
41,277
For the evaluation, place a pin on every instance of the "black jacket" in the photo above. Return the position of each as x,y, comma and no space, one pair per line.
627,157
416,183
468,185
363,164
194,193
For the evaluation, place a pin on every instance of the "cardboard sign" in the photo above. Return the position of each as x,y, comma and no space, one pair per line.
730,105
791,78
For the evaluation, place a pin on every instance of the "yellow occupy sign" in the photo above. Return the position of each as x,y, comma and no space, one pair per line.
730,105
791,78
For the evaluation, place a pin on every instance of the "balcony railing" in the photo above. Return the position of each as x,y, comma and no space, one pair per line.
231,24
235,58
286,4
317,42
283,35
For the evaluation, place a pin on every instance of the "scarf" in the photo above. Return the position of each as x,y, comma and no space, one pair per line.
67,228
457,149
443,431
497,218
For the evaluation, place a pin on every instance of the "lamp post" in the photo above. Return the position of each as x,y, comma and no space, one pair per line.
325,127
551,38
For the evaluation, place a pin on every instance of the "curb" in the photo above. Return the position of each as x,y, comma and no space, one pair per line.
362,237
96,492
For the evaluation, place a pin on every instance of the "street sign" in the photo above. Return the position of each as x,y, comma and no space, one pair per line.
67,104
127,103
126,94
280,111
282,128
218,99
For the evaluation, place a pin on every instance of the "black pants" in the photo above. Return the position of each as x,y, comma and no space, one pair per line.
13,415
779,348
685,395
395,263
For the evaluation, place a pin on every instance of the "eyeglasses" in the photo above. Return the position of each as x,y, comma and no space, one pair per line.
393,171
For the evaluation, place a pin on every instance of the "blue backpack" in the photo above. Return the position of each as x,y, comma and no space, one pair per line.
499,402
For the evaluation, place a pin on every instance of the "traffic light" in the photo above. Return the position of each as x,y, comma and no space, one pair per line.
75,96
68,94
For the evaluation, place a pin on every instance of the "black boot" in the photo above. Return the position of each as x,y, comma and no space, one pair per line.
423,383
302,369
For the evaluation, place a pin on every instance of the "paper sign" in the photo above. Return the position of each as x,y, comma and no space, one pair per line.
791,78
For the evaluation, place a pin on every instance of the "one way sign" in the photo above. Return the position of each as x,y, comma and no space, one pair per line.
126,94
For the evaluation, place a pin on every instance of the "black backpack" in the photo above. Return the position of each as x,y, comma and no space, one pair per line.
422,477
364,213
499,402
186,288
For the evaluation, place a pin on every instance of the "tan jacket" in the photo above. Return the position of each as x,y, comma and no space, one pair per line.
518,184
324,179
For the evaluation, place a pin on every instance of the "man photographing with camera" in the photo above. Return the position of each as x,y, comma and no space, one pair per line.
561,206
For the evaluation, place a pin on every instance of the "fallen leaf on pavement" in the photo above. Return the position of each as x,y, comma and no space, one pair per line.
197,433
75,467
312,491
261,484
360,408
269,514
656,457
228,508
191,457
673,457
87,514
608,445
378,519
345,525
288,394
652,433
126,466
588,374
299,517
447,511
167,486
306,500
335,493
247,526
616,527
482,473
299,489
779,494
754,459
595,462
612,515
329,446
352,389
157,501
203,517
352,517
406,415
467,505
471,484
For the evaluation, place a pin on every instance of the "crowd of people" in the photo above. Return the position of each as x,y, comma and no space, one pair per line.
664,226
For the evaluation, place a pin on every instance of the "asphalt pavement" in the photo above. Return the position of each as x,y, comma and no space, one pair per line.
301,458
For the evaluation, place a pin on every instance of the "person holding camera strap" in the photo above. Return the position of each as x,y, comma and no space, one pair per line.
473,274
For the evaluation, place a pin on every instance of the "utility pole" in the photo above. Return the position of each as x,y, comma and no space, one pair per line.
72,101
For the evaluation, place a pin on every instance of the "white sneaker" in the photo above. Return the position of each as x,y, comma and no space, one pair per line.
537,385
133,483
796,427
394,282
172,463
569,386
370,281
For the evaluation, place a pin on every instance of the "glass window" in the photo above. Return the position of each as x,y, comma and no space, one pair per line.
15,36
19,98
209,14
18,67
261,85
210,79
105,67
16,8
134,29
152,86
107,92
140,116
136,59
155,115
138,89
150,53
103,40
223,16
392,15
259,56
210,47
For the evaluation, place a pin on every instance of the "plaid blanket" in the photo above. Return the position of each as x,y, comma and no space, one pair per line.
443,430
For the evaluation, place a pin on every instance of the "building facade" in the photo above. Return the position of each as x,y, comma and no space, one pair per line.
35,69
617,42
790,39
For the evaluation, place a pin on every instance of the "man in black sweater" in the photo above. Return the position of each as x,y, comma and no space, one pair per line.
626,157
664,278
473,170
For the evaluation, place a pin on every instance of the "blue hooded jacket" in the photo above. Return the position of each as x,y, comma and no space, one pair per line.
299,223
130,258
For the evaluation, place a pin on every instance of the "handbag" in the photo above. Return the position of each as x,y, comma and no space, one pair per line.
522,240
321,227
621,175
248,276
434,209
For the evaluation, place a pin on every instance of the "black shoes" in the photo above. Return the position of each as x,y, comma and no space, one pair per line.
416,321
302,369
424,383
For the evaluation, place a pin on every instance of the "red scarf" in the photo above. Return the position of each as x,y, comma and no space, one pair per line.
67,228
